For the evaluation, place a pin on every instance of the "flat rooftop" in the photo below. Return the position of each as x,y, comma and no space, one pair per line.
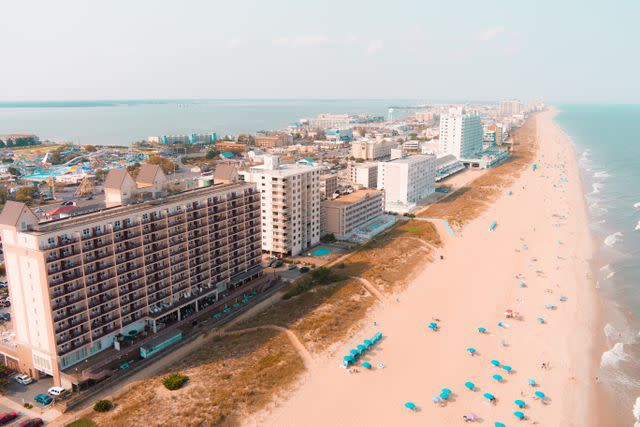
287,169
117,211
354,197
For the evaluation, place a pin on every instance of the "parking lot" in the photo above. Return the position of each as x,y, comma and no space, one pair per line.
22,394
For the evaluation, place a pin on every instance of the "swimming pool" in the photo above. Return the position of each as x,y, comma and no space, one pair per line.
321,251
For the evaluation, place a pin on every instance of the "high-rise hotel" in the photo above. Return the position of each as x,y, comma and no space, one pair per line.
77,282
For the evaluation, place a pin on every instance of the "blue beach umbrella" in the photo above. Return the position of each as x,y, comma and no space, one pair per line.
354,352
482,330
446,390
470,385
471,350
488,396
349,359
507,368
366,365
436,399
532,382
433,326
497,377
539,394
362,348
444,395
410,405
519,415
495,362
368,343
519,403
550,306
522,283
541,320
499,424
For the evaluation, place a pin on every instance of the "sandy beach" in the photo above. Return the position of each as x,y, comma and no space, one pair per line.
541,239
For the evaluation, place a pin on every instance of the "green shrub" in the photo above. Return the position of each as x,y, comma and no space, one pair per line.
103,406
82,422
175,381
318,277
28,405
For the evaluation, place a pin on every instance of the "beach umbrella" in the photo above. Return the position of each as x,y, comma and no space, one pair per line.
499,424
469,385
446,390
482,330
410,405
368,343
519,415
471,416
366,365
507,368
532,382
433,326
488,396
444,395
541,320
550,306
362,348
539,394
519,403
563,298
354,352
471,350
495,362
436,399
497,377
348,359
522,283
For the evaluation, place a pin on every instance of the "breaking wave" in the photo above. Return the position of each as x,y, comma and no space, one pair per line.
612,239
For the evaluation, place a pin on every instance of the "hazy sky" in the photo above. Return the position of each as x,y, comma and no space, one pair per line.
560,50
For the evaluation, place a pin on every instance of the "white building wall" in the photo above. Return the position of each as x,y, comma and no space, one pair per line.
460,134
407,181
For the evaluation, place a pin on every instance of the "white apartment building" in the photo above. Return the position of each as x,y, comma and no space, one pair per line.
290,197
406,181
367,149
330,121
364,174
461,134
509,107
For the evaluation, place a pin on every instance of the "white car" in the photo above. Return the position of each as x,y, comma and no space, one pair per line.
24,379
56,391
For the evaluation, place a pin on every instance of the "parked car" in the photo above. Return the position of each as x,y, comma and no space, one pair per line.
24,379
56,391
8,417
3,283
304,270
6,316
67,203
292,267
43,398
33,422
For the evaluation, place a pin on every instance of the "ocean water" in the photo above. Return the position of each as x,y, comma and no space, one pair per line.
126,121
607,141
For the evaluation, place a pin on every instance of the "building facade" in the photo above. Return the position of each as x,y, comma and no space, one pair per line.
330,121
342,215
461,134
328,185
79,282
290,196
364,175
366,149
406,181
272,141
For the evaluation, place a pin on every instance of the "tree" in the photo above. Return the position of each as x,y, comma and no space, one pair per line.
174,381
212,154
328,238
14,171
103,406
25,194
166,164
134,169
100,174
4,195
90,148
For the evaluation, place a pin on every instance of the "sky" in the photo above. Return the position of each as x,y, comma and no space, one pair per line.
562,51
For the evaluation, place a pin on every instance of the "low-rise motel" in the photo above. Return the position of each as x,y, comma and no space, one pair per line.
80,282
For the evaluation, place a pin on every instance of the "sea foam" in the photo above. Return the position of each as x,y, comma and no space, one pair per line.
636,205
601,174
612,239
636,412
612,358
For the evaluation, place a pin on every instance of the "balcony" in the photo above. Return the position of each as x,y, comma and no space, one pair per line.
103,331
125,247
60,242
129,267
74,345
67,289
71,334
97,290
100,277
66,301
122,236
70,324
62,253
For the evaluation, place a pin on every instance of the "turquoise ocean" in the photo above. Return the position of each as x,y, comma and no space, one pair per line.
607,142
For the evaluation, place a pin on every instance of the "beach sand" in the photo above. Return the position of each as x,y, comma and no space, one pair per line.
471,287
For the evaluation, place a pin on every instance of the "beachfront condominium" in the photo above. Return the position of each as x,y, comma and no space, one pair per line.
372,149
406,181
330,121
342,215
461,134
364,175
281,139
78,283
509,107
328,185
290,196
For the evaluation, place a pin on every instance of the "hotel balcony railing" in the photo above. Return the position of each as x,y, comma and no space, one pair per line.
129,267
104,331
196,225
177,230
126,226
155,237
60,243
64,265
103,320
70,324
69,311
153,219
97,290
155,247
128,256
180,287
71,334
101,277
93,268
67,289
62,253
153,228
125,247
174,241
154,278
97,254
126,235
103,298
66,302
103,309
125,290
135,316
155,258
158,296
131,298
